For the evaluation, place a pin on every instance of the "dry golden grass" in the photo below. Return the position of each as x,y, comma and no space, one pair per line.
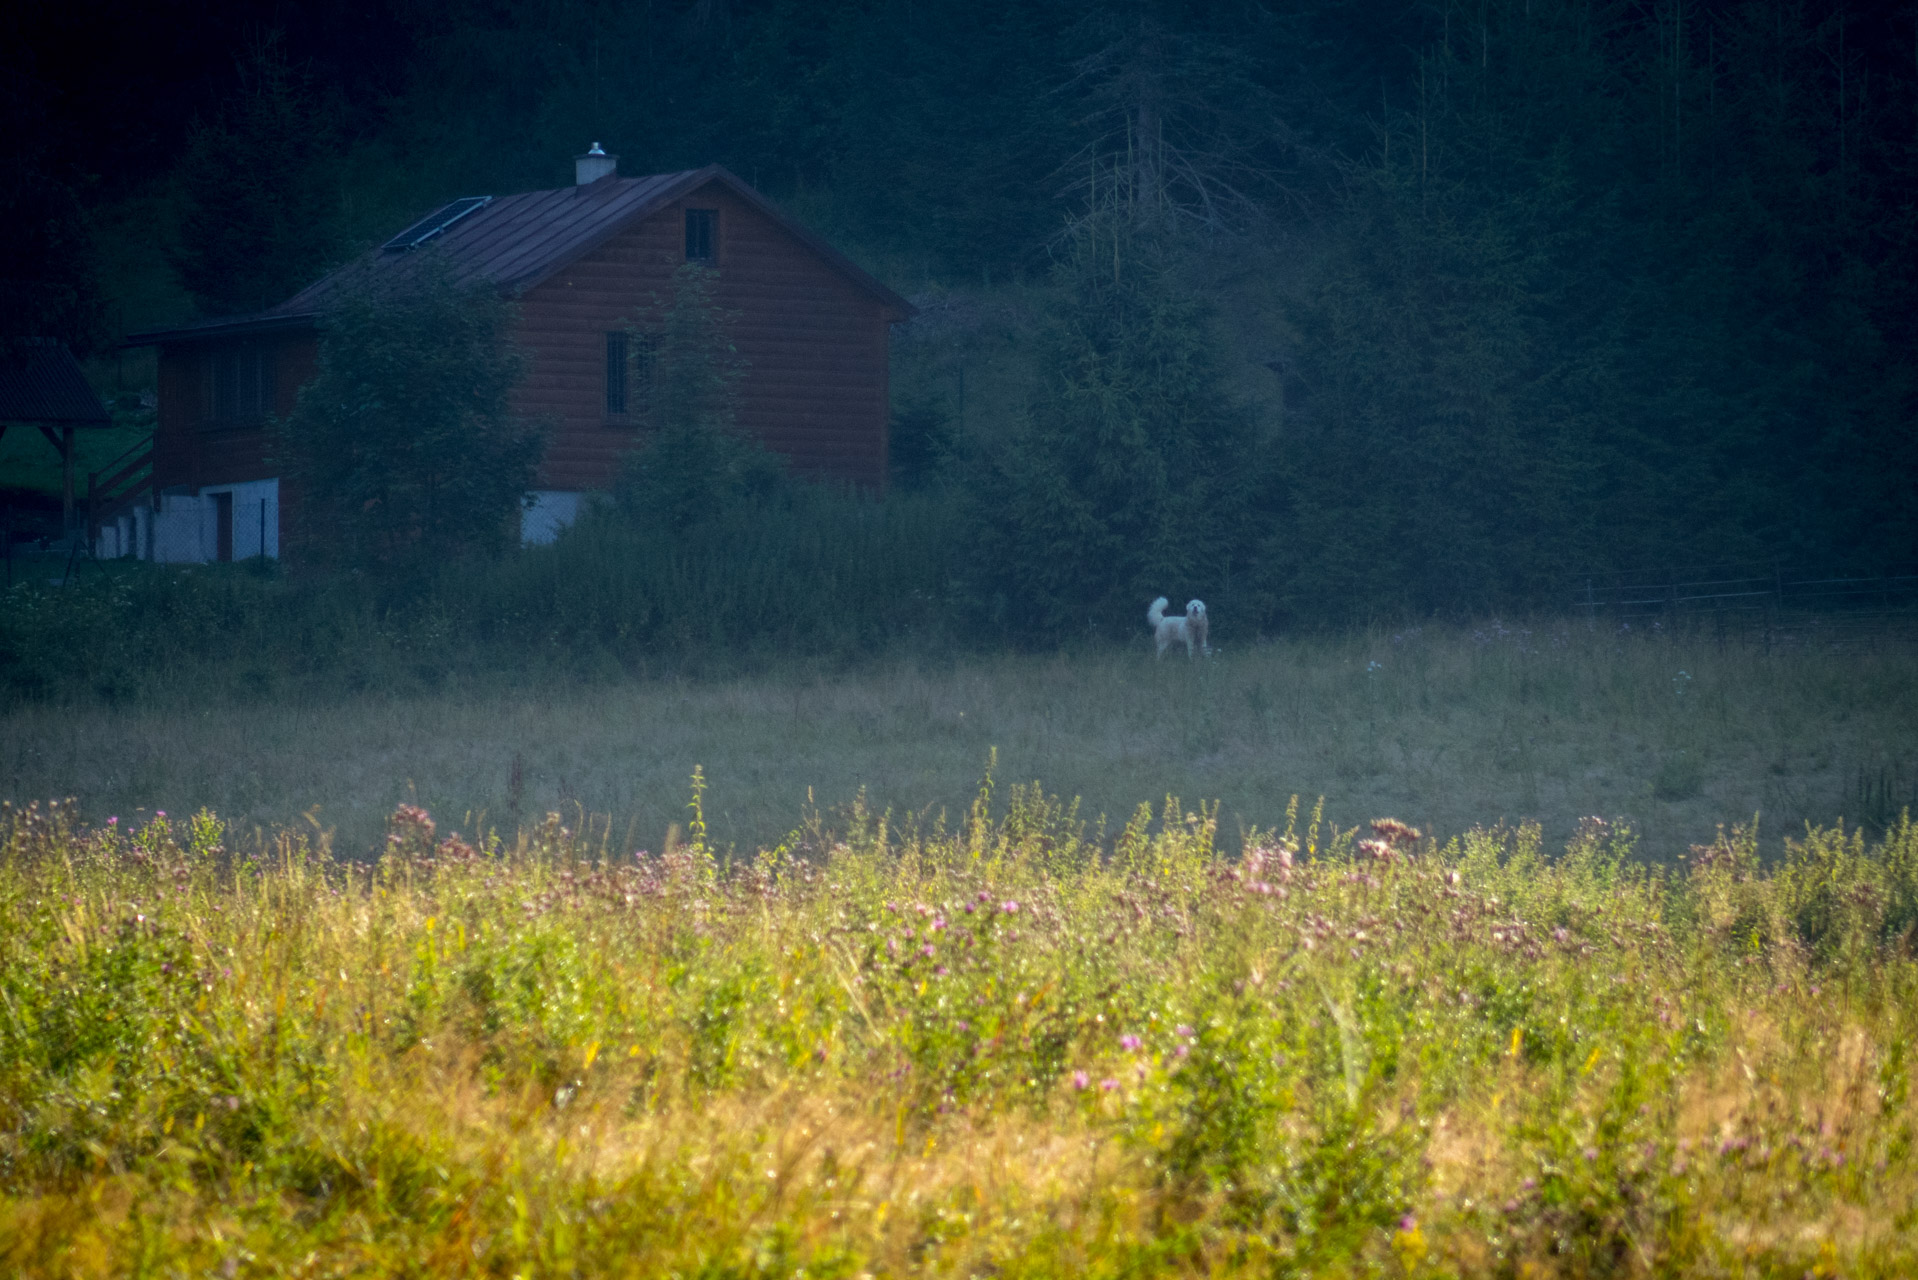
1404,1060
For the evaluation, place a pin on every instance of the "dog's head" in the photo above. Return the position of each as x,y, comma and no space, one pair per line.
1195,608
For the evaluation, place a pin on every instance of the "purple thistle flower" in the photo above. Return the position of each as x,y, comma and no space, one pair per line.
1130,1043
1080,1080
1183,1030
1010,907
1108,1084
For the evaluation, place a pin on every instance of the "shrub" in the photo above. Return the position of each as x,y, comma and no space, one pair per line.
403,445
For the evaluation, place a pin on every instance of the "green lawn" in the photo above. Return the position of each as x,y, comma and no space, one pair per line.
29,461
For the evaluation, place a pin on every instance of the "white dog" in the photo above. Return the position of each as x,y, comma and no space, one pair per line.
1189,630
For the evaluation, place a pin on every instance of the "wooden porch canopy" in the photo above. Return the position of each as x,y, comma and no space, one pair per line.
41,386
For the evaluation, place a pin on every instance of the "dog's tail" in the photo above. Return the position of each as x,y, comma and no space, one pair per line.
1156,614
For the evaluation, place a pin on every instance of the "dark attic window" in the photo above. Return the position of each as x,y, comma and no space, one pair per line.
616,374
700,224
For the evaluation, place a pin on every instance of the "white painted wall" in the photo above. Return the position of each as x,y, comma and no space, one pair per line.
182,530
185,529
256,517
552,510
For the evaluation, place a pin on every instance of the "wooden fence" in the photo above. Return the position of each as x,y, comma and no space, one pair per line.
1765,603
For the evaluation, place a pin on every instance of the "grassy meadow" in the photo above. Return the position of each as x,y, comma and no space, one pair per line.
993,1049
1445,727
749,975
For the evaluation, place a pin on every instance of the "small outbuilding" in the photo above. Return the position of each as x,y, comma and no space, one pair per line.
41,386
584,263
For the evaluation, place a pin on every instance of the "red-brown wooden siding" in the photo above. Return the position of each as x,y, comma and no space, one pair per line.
190,453
813,341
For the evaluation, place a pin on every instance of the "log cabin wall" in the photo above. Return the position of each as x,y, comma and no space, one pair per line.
192,451
814,342
190,448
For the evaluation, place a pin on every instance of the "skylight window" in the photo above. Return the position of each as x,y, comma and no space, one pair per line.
435,224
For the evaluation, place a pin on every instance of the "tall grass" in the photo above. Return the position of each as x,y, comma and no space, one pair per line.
812,573
983,1049
1446,727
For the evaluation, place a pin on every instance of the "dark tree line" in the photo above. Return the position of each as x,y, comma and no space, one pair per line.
1415,306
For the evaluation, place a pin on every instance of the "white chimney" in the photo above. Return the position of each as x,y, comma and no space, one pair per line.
594,165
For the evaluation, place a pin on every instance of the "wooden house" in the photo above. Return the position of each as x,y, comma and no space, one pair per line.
585,264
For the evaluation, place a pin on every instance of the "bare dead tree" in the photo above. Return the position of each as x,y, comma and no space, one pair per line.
1179,134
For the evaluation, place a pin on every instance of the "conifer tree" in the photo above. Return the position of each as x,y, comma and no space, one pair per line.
257,205
1132,472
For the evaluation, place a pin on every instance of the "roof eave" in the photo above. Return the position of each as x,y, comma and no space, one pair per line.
217,329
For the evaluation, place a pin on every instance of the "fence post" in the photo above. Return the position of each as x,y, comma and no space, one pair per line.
1777,603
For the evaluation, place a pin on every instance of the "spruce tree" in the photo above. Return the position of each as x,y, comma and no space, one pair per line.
1132,471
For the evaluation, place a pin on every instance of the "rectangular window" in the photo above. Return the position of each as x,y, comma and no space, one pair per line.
700,225
616,373
240,385
631,359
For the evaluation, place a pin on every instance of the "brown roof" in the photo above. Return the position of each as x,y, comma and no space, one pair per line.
517,241
40,381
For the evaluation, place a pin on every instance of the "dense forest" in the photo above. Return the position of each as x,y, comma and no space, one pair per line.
1320,309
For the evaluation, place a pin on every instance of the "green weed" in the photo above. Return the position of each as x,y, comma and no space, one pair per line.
1011,1046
